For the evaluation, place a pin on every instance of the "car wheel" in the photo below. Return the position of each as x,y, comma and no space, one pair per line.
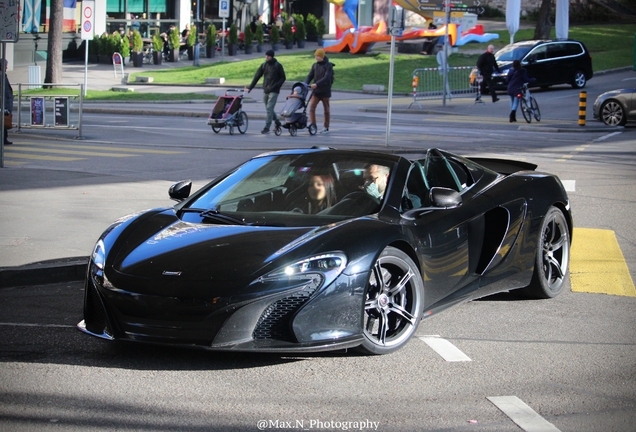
613,114
579,80
393,303
553,257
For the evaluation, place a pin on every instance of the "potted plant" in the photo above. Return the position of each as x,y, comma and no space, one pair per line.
321,29
300,34
260,37
175,43
248,39
137,49
288,34
310,24
210,41
191,41
124,47
157,49
274,38
232,40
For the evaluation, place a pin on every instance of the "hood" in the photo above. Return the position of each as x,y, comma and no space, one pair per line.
187,251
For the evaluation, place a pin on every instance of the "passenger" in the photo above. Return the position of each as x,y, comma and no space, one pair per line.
321,194
375,180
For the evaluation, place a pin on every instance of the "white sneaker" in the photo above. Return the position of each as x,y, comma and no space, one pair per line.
324,131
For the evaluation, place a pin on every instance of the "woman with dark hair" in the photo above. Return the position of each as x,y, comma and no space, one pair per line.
517,77
321,194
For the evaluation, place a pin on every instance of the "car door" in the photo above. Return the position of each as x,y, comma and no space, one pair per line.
537,65
560,66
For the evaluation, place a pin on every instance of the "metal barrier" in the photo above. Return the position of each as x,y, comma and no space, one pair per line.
428,83
36,105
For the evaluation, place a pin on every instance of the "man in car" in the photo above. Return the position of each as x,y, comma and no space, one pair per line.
487,64
375,180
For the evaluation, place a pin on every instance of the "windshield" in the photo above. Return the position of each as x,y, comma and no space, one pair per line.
512,52
295,190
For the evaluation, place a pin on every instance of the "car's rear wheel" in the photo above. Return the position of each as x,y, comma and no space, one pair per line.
579,80
393,305
553,257
613,114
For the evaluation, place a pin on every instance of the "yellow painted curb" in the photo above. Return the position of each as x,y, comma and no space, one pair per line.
597,264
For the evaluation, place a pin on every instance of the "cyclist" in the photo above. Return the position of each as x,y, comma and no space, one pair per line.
517,77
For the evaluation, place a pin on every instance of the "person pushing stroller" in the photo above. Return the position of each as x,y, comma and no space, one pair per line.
322,75
294,112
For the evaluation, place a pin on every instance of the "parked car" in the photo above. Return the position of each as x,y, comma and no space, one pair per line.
616,107
254,262
550,62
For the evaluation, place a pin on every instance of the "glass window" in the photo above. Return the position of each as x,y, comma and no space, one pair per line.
512,52
556,50
539,53
573,49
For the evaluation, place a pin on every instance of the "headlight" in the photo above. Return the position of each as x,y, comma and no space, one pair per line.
316,271
99,255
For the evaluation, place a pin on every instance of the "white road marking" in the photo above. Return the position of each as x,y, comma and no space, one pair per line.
444,348
520,413
36,325
569,185
604,137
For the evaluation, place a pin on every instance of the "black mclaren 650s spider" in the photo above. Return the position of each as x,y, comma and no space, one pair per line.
321,249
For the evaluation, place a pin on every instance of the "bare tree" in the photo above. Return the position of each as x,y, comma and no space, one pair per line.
54,48
544,25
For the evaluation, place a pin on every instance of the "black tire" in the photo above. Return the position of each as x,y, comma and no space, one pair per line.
278,130
216,129
535,109
313,129
525,110
393,303
613,114
243,122
553,257
579,80
292,130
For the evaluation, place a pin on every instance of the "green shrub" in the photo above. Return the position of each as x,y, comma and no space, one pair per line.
321,28
248,36
124,47
210,36
105,45
233,36
311,24
192,36
288,34
157,42
274,35
260,34
174,40
300,29
137,43
492,12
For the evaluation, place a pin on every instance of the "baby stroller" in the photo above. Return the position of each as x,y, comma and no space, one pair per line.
294,112
228,112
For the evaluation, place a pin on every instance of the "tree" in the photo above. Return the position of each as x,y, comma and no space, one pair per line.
54,48
544,25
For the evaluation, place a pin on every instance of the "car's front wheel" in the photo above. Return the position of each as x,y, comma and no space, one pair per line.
553,257
393,305
613,114
579,80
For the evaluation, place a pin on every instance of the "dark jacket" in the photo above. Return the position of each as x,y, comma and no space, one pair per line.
516,79
322,75
8,95
274,76
487,64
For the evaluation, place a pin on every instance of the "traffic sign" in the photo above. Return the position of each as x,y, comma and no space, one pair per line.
9,18
88,19
224,8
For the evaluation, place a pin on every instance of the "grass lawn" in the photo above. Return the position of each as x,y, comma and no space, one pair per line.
103,95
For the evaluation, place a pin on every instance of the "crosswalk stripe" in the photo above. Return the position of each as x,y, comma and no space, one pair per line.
91,147
72,152
444,348
41,157
520,413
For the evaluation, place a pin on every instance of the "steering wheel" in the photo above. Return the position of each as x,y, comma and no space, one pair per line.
361,196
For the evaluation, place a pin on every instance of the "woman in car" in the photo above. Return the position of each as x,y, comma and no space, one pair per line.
321,194
517,77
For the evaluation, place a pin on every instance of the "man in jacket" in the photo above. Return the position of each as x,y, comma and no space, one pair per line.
8,101
487,64
274,78
322,74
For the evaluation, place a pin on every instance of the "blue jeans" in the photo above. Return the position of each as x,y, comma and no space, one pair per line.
514,103
269,99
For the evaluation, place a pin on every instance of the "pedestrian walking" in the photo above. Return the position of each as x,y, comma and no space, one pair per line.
517,77
486,64
274,77
321,74
8,101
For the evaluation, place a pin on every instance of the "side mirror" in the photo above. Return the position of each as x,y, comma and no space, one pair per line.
180,191
441,199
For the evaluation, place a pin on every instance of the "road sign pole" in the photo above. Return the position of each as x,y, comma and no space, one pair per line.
445,65
390,100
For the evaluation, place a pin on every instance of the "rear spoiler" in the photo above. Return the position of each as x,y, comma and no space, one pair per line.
504,166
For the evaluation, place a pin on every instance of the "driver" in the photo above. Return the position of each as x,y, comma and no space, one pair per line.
375,180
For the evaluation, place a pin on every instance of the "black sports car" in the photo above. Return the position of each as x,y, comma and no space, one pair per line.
322,249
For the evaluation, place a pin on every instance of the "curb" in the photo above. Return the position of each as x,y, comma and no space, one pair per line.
571,129
44,272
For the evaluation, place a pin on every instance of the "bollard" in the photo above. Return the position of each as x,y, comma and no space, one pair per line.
582,106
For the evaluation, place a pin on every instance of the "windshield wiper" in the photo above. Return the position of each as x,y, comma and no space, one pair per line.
217,215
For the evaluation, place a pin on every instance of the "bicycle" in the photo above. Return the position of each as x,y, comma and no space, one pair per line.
529,105
148,55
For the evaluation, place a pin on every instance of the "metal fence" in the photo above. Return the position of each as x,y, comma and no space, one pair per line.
60,112
428,83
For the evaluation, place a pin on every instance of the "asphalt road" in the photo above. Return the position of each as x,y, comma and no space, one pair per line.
571,360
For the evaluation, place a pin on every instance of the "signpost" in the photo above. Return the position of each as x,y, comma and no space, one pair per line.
224,12
88,30
9,18
396,27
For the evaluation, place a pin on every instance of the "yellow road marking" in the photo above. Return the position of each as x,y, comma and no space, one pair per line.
73,152
89,147
13,163
40,157
597,264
